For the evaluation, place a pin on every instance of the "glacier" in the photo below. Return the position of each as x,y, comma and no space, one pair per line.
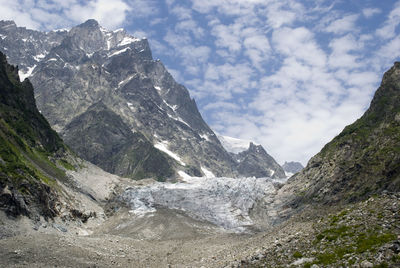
225,202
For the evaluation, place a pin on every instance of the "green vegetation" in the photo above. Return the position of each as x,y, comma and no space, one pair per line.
66,164
297,255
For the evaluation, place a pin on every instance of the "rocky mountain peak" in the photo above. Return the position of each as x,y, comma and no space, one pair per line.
90,65
7,24
90,23
292,167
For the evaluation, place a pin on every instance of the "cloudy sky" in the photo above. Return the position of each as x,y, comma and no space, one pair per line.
286,74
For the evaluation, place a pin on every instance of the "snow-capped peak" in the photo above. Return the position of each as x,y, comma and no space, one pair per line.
234,145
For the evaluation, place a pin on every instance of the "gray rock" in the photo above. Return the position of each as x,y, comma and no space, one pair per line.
366,264
292,167
60,227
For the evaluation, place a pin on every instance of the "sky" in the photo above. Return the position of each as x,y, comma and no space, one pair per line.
289,75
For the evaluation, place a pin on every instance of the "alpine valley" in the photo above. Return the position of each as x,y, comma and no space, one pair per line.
105,161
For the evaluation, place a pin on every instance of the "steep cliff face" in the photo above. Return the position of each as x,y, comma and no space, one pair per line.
29,150
100,136
89,64
362,160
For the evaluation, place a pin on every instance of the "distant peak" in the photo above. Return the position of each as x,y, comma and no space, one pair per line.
7,23
90,23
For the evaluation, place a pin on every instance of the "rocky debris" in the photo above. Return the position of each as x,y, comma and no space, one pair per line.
365,234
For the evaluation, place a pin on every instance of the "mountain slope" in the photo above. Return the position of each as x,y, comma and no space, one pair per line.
100,136
89,64
26,144
362,160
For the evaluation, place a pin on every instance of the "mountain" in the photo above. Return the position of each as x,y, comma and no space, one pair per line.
76,69
363,160
234,145
100,136
15,42
251,158
292,167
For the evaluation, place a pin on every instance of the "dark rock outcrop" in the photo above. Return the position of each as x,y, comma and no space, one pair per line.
27,175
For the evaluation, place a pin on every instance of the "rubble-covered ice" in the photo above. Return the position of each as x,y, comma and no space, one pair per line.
225,202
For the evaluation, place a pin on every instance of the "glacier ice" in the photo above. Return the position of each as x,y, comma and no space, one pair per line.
225,202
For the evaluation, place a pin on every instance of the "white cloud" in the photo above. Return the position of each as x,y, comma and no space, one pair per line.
342,56
343,25
388,31
370,12
100,10
299,43
53,14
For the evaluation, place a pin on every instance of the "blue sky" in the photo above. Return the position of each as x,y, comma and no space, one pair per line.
286,74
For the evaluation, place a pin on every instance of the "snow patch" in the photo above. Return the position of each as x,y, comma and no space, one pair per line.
204,137
173,107
125,81
272,172
28,73
130,105
178,119
234,145
184,176
119,51
128,40
2,36
158,88
207,173
162,146
61,30
39,57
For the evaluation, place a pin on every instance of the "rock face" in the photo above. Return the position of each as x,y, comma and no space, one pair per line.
292,167
362,160
79,68
100,136
255,161
26,47
251,159
26,140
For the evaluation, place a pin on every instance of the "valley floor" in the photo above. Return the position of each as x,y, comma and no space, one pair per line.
366,234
